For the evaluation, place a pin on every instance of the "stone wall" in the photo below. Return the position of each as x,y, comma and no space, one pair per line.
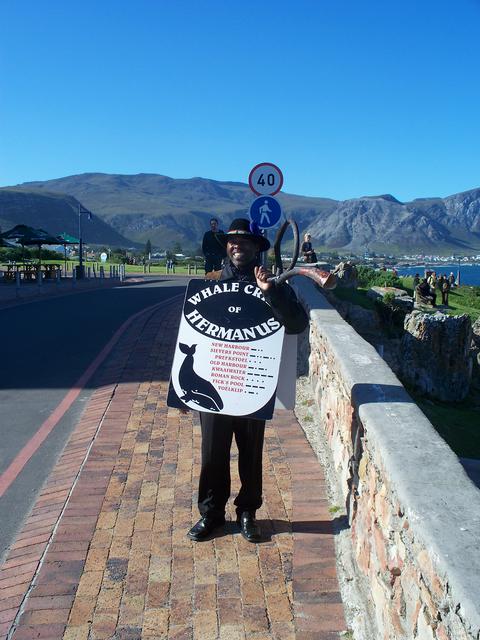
414,513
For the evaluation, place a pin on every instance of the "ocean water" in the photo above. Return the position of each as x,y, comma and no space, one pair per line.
469,274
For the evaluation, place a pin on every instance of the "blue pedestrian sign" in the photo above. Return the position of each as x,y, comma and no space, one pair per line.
265,211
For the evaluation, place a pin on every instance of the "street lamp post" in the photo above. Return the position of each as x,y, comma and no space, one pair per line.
80,243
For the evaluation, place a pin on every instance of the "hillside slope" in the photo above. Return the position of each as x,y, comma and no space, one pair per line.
167,211
56,213
384,224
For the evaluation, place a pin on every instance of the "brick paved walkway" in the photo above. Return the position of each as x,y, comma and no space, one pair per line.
104,553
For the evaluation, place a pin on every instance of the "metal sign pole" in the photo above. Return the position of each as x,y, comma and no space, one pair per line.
80,244
265,253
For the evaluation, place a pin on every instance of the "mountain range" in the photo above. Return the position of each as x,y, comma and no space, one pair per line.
131,209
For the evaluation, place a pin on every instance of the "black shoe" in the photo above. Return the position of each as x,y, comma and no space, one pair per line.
204,528
249,527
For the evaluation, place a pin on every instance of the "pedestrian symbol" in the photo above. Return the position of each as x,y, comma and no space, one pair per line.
265,211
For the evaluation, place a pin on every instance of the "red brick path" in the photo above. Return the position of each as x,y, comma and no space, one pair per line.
104,553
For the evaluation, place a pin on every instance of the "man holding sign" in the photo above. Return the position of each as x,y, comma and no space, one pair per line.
244,244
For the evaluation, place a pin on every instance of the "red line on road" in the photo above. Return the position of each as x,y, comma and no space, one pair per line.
21,459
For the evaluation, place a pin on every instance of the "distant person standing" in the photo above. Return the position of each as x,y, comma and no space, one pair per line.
309,254
213,251
445,291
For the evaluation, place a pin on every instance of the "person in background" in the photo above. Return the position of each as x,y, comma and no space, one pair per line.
425,294
213,251
445,291
451,279
416,280
309,254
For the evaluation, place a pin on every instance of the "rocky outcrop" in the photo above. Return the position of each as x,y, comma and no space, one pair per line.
346,274
475,352
435,353
401,297
476,334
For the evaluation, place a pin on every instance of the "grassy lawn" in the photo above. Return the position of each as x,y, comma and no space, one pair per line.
457,423
180,269
355,296
461,300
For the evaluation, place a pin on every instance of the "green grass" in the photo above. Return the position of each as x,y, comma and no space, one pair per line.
461,300
355,296
334,509
180,269
457,423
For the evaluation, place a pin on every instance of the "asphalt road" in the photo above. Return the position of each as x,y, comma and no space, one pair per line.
45,347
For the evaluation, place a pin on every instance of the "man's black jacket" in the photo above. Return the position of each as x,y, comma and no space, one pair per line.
211,246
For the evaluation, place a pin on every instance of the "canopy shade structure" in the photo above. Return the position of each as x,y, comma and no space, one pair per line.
19,233
42,237
28,236
65,238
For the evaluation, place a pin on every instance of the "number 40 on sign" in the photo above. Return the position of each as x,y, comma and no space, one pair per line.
265,179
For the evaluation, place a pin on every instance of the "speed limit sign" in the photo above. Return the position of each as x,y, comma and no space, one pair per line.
265,179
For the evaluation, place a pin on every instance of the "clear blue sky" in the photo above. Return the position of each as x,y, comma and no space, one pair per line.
349,98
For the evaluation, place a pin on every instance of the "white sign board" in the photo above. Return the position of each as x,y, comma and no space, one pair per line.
265,179
228,351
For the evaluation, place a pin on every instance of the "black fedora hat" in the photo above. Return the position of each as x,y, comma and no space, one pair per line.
243,228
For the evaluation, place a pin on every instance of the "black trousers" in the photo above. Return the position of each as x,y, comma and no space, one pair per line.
214,485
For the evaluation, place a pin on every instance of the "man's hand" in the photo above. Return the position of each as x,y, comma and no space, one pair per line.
262,275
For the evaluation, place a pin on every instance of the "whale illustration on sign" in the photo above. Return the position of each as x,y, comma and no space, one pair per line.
195,388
